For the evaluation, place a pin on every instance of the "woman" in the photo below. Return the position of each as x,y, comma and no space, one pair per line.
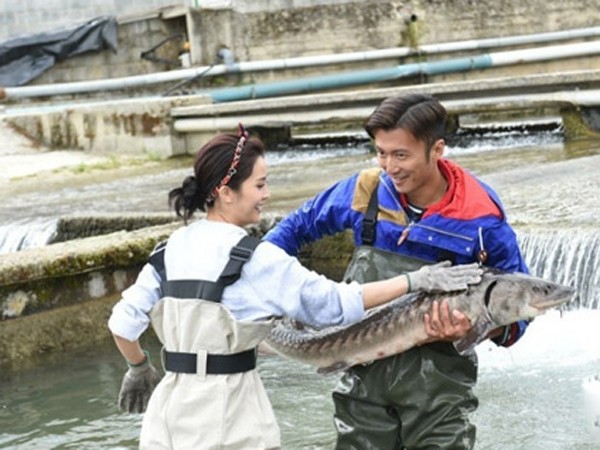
210,324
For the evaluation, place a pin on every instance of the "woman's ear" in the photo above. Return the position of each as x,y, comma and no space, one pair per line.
226,194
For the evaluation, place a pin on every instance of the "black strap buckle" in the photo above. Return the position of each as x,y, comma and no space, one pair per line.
367,233
240,254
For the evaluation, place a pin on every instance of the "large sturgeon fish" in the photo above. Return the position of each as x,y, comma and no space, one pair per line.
499,299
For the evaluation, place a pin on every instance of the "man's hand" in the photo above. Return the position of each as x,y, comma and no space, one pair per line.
137,386
443,325
443,277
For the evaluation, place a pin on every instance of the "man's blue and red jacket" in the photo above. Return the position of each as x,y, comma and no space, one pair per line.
468,219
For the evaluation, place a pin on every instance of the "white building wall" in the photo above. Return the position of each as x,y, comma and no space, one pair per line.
18,17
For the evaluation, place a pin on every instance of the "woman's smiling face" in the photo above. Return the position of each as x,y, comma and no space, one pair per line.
252,196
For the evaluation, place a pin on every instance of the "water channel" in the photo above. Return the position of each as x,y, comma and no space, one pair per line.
535,395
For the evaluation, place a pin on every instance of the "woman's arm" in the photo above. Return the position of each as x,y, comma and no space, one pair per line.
438,277
131,350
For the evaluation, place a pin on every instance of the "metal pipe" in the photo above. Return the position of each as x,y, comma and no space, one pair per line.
9,93
403,71
589,98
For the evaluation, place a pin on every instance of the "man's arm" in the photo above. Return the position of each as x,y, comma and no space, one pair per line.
504,254
325,214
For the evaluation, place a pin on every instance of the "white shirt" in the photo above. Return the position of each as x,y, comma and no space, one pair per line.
272,283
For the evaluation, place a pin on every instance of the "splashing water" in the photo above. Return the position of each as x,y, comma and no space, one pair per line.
25,233
570,257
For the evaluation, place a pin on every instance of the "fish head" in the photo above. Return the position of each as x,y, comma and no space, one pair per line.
507,298
510,297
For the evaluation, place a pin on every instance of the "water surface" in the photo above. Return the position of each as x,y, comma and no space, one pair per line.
531,395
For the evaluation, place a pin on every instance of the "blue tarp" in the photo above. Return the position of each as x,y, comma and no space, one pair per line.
26,57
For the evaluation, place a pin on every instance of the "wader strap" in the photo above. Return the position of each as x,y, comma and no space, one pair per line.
238,256
206,290
215,364
202,289
157,259
367,234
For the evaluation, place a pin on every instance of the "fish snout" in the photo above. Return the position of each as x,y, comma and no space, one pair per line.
559,295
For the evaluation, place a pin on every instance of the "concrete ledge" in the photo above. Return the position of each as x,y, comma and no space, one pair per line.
134,126
164,127
70,272
99,262
579,110
59,297
78,227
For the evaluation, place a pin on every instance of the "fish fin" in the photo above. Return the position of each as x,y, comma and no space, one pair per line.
293,324
476,334
335,367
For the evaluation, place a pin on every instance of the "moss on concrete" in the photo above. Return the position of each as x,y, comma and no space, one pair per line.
330,255
60,330
119,249
575,126
77,227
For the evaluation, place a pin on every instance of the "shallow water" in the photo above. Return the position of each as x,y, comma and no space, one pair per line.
531,396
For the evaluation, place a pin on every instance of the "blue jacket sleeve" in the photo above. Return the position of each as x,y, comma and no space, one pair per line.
325,214
505,254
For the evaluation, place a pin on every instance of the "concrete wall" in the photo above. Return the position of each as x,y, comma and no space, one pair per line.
265,31
369,25
133,126
262,30
36,16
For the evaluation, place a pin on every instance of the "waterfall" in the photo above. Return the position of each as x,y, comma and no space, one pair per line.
567,256
25,234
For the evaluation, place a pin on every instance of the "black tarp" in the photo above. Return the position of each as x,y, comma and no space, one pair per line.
24,58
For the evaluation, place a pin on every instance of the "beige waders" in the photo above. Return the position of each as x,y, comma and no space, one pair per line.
211,396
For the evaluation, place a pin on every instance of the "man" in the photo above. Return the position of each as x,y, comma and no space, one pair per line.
417,208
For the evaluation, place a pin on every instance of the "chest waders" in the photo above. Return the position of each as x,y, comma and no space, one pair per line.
211,396
419,399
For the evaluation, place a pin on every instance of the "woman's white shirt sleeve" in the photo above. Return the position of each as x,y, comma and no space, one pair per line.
130,316
274,283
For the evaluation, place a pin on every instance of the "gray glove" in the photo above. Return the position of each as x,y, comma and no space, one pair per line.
443,277
138,383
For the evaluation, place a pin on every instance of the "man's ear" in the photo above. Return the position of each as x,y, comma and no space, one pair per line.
438,148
